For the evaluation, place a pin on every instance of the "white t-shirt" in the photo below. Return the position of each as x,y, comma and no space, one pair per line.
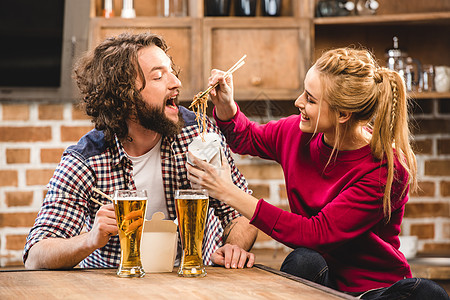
147,175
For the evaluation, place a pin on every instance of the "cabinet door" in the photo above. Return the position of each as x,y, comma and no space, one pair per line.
278,55
182,35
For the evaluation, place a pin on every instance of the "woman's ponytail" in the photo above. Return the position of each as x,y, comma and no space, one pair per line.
390,136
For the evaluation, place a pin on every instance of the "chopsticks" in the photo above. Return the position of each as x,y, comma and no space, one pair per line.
230,71
96,201
101,193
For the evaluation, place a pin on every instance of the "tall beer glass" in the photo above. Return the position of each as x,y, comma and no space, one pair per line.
130,206
191,206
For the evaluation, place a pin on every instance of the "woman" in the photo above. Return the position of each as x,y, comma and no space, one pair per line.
348,166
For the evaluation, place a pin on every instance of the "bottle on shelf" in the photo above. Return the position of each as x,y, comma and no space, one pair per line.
108,11
366,7
335,8
172,8
271,8
217,8
427,79
245,8
413,75
128,9
396,58
410,68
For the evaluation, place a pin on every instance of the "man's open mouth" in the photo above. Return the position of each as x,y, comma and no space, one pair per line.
172,102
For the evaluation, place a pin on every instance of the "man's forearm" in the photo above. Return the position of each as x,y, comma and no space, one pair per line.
58,253
240,232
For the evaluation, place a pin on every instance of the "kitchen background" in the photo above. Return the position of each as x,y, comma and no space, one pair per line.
281,44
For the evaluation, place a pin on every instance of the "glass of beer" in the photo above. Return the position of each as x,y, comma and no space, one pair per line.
129,206
191,206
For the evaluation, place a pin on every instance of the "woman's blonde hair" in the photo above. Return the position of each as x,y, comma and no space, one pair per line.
376,97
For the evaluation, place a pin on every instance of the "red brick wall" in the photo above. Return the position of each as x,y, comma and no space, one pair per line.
428,211
33,137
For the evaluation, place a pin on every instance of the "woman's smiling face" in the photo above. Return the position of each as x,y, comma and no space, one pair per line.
315,112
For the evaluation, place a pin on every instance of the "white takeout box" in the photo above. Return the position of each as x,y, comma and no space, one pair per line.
159,244
208,150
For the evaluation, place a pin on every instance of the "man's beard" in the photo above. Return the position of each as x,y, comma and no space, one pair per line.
153,118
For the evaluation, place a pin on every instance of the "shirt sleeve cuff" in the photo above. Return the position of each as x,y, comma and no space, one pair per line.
266,216
233,119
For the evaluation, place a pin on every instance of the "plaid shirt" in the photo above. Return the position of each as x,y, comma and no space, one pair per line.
66,209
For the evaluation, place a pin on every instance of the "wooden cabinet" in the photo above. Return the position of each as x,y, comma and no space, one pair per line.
281,49
183,35
278,54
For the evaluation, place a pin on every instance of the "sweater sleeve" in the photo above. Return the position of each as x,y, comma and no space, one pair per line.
353,212
223,211
247,137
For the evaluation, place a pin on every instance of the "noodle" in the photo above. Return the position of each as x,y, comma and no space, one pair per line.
199,105
200,101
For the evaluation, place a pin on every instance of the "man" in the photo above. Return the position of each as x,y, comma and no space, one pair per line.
130,91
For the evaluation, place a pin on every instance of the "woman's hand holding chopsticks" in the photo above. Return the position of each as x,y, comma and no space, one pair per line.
223,95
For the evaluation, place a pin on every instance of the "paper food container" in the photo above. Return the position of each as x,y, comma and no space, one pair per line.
159,244
208,150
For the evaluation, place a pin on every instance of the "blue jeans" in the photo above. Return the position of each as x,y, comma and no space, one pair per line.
310,265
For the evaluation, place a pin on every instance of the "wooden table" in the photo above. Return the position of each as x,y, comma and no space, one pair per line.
259,282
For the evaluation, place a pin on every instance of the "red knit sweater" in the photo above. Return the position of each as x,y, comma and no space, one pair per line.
336,209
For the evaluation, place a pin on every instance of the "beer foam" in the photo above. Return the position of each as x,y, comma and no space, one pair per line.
191,197
130,198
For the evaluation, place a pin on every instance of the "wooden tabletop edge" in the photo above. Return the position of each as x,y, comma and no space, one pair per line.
306,282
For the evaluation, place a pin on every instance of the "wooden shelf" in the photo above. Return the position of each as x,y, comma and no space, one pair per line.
429,95
234,19
411,18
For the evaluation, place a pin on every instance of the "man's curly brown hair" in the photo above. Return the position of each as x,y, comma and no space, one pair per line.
107,77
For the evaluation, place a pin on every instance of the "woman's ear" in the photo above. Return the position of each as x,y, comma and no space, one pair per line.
344,116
